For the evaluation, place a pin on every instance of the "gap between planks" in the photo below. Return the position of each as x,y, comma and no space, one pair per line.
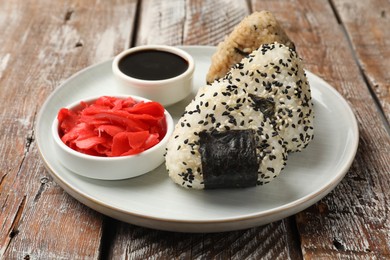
133,36
13,230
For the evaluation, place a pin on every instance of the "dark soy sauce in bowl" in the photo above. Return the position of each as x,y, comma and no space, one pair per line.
157,72
152,65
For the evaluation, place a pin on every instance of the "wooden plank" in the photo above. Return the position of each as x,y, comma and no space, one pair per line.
352,221
42,44
367,24
272,241
188,22
191,23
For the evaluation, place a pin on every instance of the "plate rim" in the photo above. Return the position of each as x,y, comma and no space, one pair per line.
312,197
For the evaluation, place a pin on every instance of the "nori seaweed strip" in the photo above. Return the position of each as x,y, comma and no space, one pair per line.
266,106
228,159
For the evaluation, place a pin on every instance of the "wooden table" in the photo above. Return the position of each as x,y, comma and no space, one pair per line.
43,42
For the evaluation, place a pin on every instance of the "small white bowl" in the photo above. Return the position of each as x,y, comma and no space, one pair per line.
165,91
111,168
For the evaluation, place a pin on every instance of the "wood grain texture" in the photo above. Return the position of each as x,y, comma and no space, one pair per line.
272,241
193,22
353,220
367,24
45,43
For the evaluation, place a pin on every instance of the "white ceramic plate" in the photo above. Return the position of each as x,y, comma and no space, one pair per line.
154,201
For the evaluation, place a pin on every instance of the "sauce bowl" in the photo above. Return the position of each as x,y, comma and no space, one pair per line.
136,77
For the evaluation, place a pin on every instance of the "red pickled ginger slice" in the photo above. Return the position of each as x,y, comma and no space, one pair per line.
90,142
127,143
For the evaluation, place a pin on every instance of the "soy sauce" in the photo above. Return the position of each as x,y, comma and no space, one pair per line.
152,65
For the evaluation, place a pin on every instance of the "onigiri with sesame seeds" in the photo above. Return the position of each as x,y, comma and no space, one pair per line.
238,131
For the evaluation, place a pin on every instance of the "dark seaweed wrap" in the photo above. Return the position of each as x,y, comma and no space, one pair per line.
228,159
266,106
